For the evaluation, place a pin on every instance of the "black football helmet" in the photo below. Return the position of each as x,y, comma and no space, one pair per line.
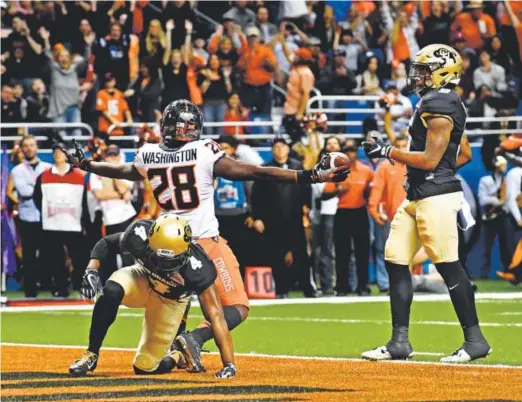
182,122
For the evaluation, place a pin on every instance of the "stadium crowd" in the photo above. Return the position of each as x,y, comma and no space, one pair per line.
106,63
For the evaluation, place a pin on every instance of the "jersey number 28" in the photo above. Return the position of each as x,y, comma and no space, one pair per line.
182,181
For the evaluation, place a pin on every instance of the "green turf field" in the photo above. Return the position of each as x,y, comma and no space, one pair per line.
337,330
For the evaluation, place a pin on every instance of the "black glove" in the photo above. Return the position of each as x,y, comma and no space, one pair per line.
377,149
323,172
91,284
79,159
228,371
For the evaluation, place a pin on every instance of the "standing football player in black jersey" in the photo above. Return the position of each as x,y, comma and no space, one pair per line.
170,266
428,216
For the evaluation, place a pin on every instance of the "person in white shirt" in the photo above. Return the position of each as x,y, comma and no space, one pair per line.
491,194
400,108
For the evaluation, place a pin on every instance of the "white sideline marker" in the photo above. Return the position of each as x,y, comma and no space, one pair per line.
481,297
290,357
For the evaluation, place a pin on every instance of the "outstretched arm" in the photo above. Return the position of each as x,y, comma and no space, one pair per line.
437,140
213,312
125,171
234,170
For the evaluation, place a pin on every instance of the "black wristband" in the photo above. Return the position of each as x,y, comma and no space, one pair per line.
86,165
304,176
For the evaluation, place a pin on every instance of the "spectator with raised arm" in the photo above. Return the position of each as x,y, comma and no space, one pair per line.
402,40
21,52
64,100
225,46
257,65
216,86
112,56
514,13
144,98
178,11
174,73
358,24
86,38
325,28
474,25
352,45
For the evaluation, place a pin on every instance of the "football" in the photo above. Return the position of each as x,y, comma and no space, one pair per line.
336,159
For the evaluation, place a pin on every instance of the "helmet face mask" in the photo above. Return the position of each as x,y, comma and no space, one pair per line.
181,122
419,78
165,265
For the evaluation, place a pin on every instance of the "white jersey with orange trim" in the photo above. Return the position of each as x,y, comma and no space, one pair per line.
183,181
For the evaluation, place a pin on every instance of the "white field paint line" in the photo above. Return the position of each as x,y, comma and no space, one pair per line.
289,357
505,297
315,320
511,313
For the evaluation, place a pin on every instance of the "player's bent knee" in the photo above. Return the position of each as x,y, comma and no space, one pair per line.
145,363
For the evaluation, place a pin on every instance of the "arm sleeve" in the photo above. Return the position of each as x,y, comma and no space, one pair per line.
512,190
484,193
107,246
376,189
211,152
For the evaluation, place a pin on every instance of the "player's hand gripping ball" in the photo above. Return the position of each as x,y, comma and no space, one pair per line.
332,167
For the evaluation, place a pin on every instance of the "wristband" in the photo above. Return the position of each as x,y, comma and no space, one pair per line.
304,176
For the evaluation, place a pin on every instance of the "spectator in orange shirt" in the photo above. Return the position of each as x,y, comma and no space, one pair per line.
112,106
474,25
300,83
386,194
351,223
257,64
235,112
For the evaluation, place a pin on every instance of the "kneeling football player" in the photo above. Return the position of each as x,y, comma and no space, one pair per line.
169,268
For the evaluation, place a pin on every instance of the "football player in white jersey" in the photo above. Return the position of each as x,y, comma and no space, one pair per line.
181,170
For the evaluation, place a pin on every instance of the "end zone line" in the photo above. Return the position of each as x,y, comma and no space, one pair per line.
291,357
321,300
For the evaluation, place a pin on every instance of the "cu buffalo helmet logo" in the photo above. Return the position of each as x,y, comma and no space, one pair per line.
445,54
188,234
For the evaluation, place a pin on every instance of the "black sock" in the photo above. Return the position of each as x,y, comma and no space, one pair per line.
232,318
183,325
104,314
461,293
401,296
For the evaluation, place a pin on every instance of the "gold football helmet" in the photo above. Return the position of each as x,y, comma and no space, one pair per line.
169,241
435,66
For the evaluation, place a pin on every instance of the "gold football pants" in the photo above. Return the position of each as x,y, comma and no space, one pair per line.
162,316
430,222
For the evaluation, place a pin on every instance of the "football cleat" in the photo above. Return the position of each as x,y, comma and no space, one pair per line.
87,362
476,351
392,351
190,349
